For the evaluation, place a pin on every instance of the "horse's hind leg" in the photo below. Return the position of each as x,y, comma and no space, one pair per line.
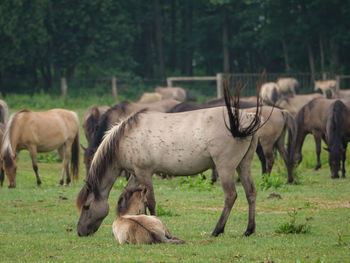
244,173
261,155
318,151
64,151
33,154
285,156
344,158
230,194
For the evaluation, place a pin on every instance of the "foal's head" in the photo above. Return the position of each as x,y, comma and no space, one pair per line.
132,201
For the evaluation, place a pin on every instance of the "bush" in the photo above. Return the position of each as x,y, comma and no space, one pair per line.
271,180
293,228
199,183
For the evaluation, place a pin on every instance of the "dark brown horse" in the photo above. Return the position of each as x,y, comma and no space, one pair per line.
91,119
338,135
116,114
2,130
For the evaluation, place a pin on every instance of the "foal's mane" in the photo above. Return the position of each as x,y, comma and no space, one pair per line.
105,155
6,148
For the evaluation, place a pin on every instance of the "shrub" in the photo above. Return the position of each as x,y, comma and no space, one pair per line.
271,180
199,183
291,227
51,157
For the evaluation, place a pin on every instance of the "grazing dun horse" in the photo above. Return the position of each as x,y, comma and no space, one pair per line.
91,119
179,144
149,97
133,226
175,93
41,132
270,93
295,103
327,87
114,115
312,118
287,86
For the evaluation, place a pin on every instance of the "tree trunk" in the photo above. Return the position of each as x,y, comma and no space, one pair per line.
311,61
322,55
173,60
187,42
225,45
285,51
159,43
334,57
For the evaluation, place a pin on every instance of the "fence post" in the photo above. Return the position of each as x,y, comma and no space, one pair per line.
219,85
64,86
337,77
114,88
169,82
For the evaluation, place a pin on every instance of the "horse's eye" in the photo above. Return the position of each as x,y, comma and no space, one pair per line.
86,207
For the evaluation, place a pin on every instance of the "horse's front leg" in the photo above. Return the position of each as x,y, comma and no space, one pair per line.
145,178
33,154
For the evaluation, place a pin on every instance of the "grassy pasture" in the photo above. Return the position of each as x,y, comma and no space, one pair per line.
38,224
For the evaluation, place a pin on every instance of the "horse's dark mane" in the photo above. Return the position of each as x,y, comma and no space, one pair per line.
104,125
105,156
92,121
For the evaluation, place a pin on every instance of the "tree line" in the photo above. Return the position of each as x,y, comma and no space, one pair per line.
43,40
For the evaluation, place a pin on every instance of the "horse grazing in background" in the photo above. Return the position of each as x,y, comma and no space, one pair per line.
91,119
287,86
312,118
327,87
2,174
272,135
270,93
3,112
115,115
175,93
133,226
41,132
338,135
295,103
149,97
178,144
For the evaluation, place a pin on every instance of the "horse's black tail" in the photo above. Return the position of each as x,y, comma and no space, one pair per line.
234,117
74,161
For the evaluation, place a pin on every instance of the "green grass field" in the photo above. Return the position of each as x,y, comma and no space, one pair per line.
38,224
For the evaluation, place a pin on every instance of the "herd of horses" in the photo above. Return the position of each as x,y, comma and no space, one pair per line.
178,138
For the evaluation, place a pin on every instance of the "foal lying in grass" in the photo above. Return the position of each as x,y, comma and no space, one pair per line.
133,226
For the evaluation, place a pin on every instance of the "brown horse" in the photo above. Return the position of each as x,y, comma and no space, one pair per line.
338,135
91,119
3,112
287,86
179,144
312,118
115,115
327,87
272,134
295,103
2,130
133,226
270,93
41,132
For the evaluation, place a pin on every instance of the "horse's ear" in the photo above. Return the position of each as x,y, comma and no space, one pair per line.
82,146
327,149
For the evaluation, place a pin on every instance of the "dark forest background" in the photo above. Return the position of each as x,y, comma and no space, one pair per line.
44,40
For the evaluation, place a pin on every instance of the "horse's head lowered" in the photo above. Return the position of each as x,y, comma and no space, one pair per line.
94,208
10,168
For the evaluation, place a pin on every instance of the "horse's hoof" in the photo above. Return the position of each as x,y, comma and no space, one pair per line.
66,185
59,185
317,167
335,177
